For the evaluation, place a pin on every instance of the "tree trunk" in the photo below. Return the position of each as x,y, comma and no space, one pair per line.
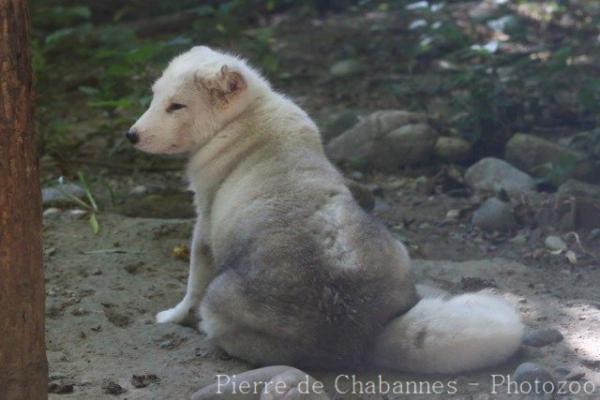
23,366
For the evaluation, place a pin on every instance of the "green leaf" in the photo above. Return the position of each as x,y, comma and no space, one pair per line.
94,224
88,191
56,36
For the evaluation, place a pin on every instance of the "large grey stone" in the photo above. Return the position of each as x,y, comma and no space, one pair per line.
385,140
492,175
539,156
62,194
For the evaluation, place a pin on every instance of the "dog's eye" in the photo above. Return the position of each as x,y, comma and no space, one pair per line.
174,107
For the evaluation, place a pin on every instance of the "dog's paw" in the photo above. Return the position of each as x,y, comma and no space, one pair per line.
175,315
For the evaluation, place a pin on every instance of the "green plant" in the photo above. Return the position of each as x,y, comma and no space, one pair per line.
89,204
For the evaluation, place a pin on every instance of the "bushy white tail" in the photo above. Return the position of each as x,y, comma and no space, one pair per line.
462,333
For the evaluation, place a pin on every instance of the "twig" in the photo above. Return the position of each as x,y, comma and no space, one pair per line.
576,235
110,251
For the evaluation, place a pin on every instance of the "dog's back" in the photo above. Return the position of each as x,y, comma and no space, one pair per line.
302,263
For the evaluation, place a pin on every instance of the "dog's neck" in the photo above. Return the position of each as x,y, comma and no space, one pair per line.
261,124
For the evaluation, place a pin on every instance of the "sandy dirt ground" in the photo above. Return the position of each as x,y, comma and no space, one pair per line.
103,292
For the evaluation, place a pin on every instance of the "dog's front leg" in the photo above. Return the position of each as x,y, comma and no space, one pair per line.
201,274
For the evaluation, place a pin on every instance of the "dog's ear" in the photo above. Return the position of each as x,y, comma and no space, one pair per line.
225,86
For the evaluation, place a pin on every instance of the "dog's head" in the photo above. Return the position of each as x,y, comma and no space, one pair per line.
197,95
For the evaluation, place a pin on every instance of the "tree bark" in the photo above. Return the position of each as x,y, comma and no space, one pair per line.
23,365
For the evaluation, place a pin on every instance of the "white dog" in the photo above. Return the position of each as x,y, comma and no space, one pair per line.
285,267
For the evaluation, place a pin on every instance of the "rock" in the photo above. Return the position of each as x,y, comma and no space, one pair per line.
574,187
453,215
493,175
408,145
494,215
60,195
51,213
537,376
60,387
140,381
452,149
542,337
174,204
111,387
385,140
539,157
363,196
555,243
116,318
339,124
345,68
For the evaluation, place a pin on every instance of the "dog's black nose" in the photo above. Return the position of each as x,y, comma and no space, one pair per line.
132,136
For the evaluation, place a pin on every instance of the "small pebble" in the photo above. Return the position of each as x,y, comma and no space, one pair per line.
453,215
60,387
111,387
532,372
357,175
140,381
555,243
51,212
542,337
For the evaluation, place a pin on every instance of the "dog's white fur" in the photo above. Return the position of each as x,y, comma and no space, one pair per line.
253,153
